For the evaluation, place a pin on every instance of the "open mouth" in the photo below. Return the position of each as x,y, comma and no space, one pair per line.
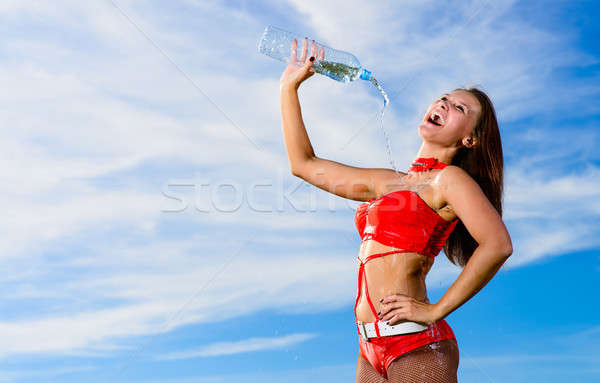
436,119
431,120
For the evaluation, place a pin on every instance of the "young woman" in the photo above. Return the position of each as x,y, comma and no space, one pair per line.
451,198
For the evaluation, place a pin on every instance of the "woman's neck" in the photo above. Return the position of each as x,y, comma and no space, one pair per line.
442,154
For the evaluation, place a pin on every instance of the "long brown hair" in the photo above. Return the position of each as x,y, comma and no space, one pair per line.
485,163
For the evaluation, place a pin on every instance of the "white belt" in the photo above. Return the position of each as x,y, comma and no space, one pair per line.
367,330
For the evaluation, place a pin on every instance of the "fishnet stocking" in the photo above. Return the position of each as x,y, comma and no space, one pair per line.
433,363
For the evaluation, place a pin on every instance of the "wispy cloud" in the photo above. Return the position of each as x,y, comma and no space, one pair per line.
589,336
549,216
9,376
155,288
237,347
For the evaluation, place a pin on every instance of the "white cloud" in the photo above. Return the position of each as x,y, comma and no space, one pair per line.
236,347
35,375
159,287
551,216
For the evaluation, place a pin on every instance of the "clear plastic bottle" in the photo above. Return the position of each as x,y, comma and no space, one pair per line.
338,65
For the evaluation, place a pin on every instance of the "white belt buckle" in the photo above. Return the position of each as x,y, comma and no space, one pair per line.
363,330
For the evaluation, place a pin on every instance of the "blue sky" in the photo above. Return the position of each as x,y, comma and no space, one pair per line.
153,232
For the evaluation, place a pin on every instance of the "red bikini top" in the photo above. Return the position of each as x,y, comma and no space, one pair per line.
402,219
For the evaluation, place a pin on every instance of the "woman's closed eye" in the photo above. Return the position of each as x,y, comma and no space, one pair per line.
459,107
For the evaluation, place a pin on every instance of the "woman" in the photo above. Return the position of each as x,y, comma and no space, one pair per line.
450,198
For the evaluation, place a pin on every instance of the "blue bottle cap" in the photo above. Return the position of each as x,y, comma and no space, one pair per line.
366,75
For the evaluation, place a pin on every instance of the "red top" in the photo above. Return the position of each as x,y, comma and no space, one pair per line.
402,219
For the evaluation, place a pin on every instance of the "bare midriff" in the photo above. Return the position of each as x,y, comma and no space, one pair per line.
397,273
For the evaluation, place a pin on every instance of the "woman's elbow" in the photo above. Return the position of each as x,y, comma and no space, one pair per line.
296,169
505,247
295,172
501,248
300,168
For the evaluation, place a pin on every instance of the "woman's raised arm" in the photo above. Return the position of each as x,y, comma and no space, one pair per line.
346,181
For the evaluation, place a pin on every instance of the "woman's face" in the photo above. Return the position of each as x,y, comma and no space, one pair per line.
450,119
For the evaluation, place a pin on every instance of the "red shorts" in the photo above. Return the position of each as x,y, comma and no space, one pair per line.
382,351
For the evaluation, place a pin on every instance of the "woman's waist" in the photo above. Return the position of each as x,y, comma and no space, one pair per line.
377,292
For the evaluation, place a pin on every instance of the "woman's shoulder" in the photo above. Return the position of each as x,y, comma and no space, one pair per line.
453,172
455,178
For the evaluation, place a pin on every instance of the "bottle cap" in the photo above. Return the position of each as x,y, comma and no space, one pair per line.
366,75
